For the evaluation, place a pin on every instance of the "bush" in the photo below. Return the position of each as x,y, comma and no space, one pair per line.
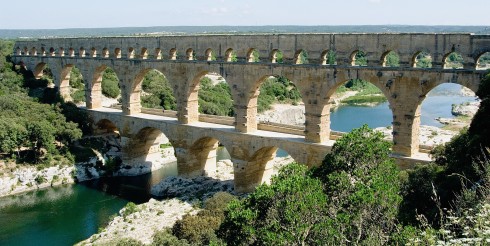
110,84
165,238
123,242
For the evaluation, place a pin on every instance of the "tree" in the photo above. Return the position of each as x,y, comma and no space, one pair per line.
289,211
110,84
363,184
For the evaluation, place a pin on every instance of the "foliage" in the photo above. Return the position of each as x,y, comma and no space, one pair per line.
160,94
360,59
200,228
123,242
130,208
331,58
78,116
215,99
423,60
110,84
277,89
363,182
392,59
76,79
290,211
302,57
165,238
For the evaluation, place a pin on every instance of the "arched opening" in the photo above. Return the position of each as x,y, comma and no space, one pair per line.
43,51
146,151
260,167
278,102
444,111
277,56
390,59
209,54
62,51
453,60
81,52
213,96
208,157
144,53
105,53
483,61
117,53
158,54
358,58
253,55
301,57
328,57
26,51
130,53
71,52
33,51
105,126
230,56
422,60
172,54
157,92
358,102
18,51
93,52
72,87
190,54
105,91
52,52
39,70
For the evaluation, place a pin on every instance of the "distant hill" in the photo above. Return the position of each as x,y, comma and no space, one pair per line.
181,30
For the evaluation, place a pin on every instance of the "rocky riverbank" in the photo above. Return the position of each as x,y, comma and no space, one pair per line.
17,179
181,196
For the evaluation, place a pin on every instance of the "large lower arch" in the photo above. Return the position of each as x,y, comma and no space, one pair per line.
147,150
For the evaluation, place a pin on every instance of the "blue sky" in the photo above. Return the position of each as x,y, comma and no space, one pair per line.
118,13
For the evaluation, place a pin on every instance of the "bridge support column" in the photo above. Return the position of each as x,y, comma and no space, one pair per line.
406,133
317,124
250,172
194,162
188,110
246,117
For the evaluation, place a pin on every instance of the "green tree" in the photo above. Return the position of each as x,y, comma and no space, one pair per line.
110,84
289,211
159,94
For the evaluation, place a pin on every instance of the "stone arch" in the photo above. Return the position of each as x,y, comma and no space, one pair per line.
390,58
192,95
105,126
117,53
143,151
338,122
453,60
144,53
200,158
441,102
276,56
26,51
43,51
130,53
150,78
230,55
300,57
18,51
62,51
38,70
81,52
253,55
173,54
190,54
33,51
52,52
71,52
94,95
483,61
209,55
158,54
358,58
93,52
328,57
105,52
421,59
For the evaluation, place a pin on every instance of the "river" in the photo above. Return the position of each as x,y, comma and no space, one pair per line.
68,214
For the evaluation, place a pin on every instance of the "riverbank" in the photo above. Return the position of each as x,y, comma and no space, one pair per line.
183,196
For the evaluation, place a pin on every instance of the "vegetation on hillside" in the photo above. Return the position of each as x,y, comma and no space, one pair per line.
33,128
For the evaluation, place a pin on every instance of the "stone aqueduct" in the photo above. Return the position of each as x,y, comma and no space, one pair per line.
184,60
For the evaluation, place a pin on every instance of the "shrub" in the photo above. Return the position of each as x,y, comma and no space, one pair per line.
165,238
